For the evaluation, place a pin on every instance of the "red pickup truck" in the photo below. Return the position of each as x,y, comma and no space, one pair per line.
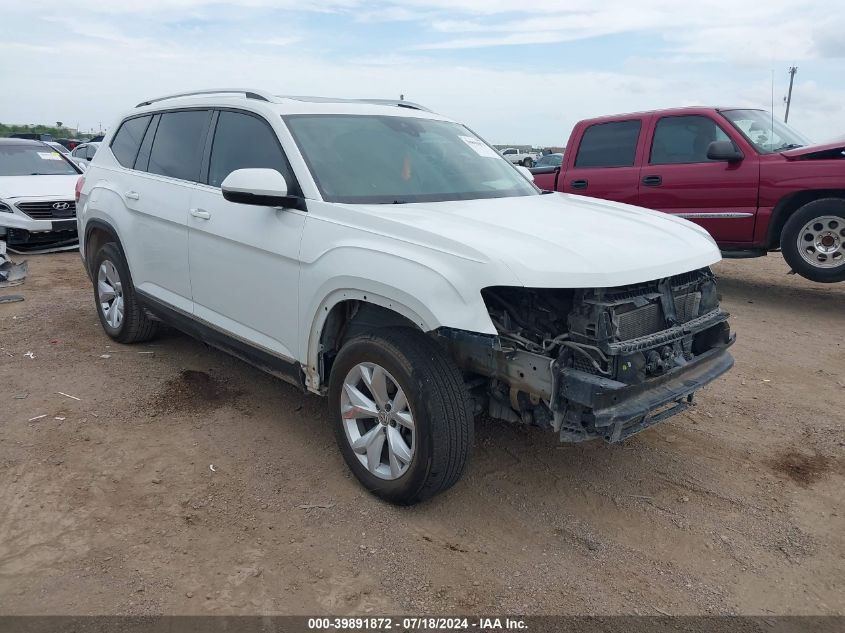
754,183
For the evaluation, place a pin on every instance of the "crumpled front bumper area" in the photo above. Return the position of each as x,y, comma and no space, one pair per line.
592,406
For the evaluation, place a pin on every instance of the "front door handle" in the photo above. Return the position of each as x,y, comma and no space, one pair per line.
578,184
652,181
133,195
202,214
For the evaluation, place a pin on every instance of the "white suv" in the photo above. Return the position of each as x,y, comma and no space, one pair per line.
386,257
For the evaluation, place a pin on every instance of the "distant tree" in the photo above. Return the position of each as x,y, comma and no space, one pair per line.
58,131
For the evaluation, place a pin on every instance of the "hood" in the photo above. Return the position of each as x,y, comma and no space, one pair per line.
38,186
835,149
557,240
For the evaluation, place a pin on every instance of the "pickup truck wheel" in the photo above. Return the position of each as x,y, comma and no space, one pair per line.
813,240
401,414
528,162
117,305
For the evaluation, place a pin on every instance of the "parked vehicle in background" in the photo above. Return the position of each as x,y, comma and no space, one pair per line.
33,136
754,183
549,160
69,143
519,157
85,151
37,206
386,257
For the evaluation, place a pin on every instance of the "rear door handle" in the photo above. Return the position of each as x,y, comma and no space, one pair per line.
202,214
652,181
578,184
133,195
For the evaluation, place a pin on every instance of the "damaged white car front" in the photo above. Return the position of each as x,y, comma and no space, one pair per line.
37,207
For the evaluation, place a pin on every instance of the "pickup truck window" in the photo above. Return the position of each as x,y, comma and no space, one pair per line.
765,133
684,139
611,144
371,159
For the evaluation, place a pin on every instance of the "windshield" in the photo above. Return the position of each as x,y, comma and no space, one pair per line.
33,160
371,159
764,132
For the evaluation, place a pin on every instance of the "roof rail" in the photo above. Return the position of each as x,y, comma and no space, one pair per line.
386,102
395,102
258,95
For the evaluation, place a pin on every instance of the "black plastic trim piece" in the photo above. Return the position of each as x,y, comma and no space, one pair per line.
615,404
287,369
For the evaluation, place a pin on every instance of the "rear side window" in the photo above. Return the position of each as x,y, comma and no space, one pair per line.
243,141
684,139
178,145
125,144
609,145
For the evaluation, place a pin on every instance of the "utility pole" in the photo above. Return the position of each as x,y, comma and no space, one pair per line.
792,71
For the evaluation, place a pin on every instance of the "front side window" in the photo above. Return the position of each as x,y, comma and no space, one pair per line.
243,141
373,159
764,132
684,139
125,144
33,160
611,144
178,144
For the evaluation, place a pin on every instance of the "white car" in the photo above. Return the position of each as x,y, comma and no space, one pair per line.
85,151
518,157
37,206
386,257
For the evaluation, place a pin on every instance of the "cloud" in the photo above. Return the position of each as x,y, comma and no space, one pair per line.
460,57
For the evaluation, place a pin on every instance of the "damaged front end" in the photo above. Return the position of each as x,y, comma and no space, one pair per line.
597,363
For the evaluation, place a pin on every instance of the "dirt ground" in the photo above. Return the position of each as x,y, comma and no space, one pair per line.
177,480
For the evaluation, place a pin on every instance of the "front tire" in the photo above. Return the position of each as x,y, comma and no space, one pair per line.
401,414
120,314
813,240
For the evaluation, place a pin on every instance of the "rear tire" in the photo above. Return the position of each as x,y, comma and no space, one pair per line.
120,314
813,240
528,162
436,444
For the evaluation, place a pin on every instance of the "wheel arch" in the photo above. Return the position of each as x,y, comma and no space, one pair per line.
98,232
347,312
787,205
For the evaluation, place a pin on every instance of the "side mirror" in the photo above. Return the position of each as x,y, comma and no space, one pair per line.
262,187
525,172
724,150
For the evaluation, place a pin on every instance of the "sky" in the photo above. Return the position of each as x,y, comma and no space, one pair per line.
515,72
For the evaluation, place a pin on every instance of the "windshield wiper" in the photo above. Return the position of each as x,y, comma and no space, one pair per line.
789,146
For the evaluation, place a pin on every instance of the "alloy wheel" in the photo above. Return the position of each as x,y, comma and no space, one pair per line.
110,294
378,421
822,241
